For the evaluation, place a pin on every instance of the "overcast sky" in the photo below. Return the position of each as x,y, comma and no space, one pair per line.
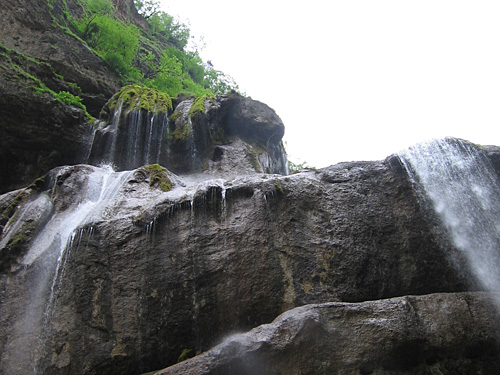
359,79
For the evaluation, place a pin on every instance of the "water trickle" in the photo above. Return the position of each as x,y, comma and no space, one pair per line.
45,264
463,187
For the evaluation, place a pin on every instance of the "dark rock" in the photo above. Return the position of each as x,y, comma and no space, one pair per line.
433,334
38,133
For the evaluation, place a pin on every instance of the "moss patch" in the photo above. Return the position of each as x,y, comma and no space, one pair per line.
158,177
186,354
180,134
135,97
198,105
254,159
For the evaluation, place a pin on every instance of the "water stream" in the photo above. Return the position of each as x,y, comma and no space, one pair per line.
463,187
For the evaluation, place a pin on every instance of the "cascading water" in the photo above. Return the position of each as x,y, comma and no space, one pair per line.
464,189
44,267
130,140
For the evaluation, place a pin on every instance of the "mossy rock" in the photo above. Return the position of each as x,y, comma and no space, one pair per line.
198,105
158,177
180,134
135,97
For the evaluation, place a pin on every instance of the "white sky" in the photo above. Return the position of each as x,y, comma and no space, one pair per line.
359,79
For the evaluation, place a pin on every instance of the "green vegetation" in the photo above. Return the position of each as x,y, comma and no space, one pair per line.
138,97
186,354
157,177
198,105
69,99
14,59
156,58
294,168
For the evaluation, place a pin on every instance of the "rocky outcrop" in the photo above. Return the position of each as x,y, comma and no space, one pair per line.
36,29
226,135
432,334
158,272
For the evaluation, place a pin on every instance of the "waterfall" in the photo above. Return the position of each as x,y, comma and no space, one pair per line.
44,265
130,139
460,182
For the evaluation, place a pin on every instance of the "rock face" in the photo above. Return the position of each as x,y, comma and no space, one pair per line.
151,274
432,334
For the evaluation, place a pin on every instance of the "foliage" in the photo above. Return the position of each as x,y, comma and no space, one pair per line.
294,168
147,8
68,98
155,58
112,39
198,105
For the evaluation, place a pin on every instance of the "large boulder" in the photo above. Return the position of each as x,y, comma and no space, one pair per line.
446,334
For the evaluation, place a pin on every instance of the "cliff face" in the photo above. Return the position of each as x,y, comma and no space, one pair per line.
202,235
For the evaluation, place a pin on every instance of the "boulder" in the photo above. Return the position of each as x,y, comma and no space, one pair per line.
433,334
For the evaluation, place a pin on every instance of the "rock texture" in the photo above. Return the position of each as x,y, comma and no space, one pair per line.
155,274
432,334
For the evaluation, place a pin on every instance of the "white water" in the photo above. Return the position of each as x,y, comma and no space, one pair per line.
463,187
45,263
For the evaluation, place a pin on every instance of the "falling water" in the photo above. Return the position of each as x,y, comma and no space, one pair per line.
464,189
44,264
131,139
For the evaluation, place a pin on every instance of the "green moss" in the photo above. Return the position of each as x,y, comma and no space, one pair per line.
198,105
158,177
180,134
186,354
278,186
135,97
254,159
